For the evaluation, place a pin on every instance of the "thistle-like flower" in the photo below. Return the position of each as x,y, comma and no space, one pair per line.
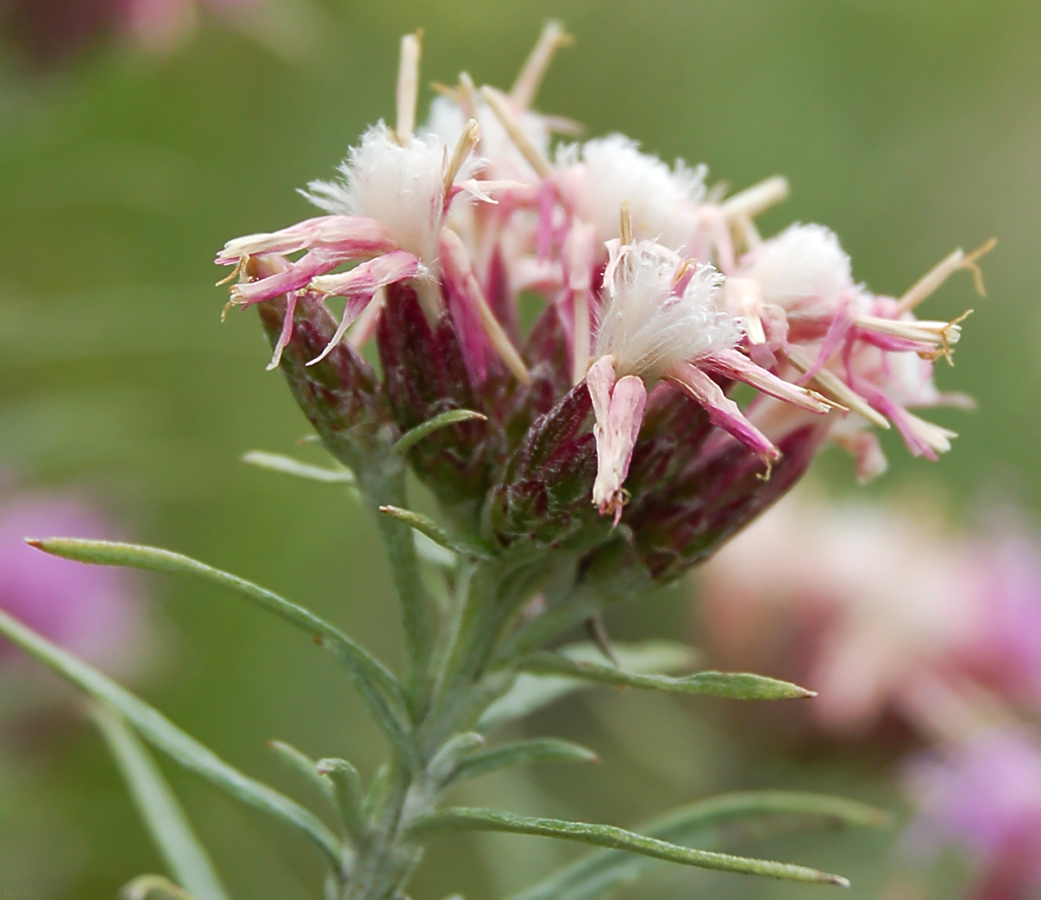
659,297
577,462
868,353
660,321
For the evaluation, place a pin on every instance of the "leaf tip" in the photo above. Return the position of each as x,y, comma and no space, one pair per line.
37,543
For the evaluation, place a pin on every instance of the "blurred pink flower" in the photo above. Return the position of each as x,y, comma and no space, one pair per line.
93,611
159,25
984,797
49,31
874,606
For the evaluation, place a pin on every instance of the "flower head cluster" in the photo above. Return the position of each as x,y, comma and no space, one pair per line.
658,295
883,605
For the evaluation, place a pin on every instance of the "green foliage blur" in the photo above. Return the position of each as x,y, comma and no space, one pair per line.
909,126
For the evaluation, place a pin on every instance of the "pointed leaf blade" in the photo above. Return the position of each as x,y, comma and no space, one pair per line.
159,731
467,819
414,435
600,873
287,465
533,692
374,681
303,765
185,857
732,685
520,753
429,528
346,789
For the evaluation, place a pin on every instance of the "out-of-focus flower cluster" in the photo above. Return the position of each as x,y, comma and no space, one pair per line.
657,296
95,612
886,612
51,30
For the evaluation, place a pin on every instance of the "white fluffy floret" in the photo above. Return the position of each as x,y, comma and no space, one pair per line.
399,184
646,325
600,175
803,266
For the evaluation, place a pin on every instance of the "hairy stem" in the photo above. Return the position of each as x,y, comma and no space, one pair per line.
382,483
487,594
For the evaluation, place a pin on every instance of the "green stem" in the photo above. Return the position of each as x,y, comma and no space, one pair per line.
382,483
488,592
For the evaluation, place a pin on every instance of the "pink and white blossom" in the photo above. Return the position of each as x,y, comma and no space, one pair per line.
890,610
866,352
659,320
651,282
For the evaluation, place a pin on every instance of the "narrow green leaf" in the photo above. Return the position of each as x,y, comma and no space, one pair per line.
435,554
598,874
533,692
520,753
437,534
287,465
414,435
374,681
153,887
348,794
734,685
301,763
465,819
378,790
155,728
185,857
448,759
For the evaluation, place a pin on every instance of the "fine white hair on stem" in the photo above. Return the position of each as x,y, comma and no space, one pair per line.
804,263
660,311
600,175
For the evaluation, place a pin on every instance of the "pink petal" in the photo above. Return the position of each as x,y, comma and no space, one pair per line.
833,338
286,334
618,407
297,276
732,364
368,277
480,333
348,236
722,411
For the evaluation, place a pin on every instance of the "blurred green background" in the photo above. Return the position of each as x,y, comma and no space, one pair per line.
909,126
